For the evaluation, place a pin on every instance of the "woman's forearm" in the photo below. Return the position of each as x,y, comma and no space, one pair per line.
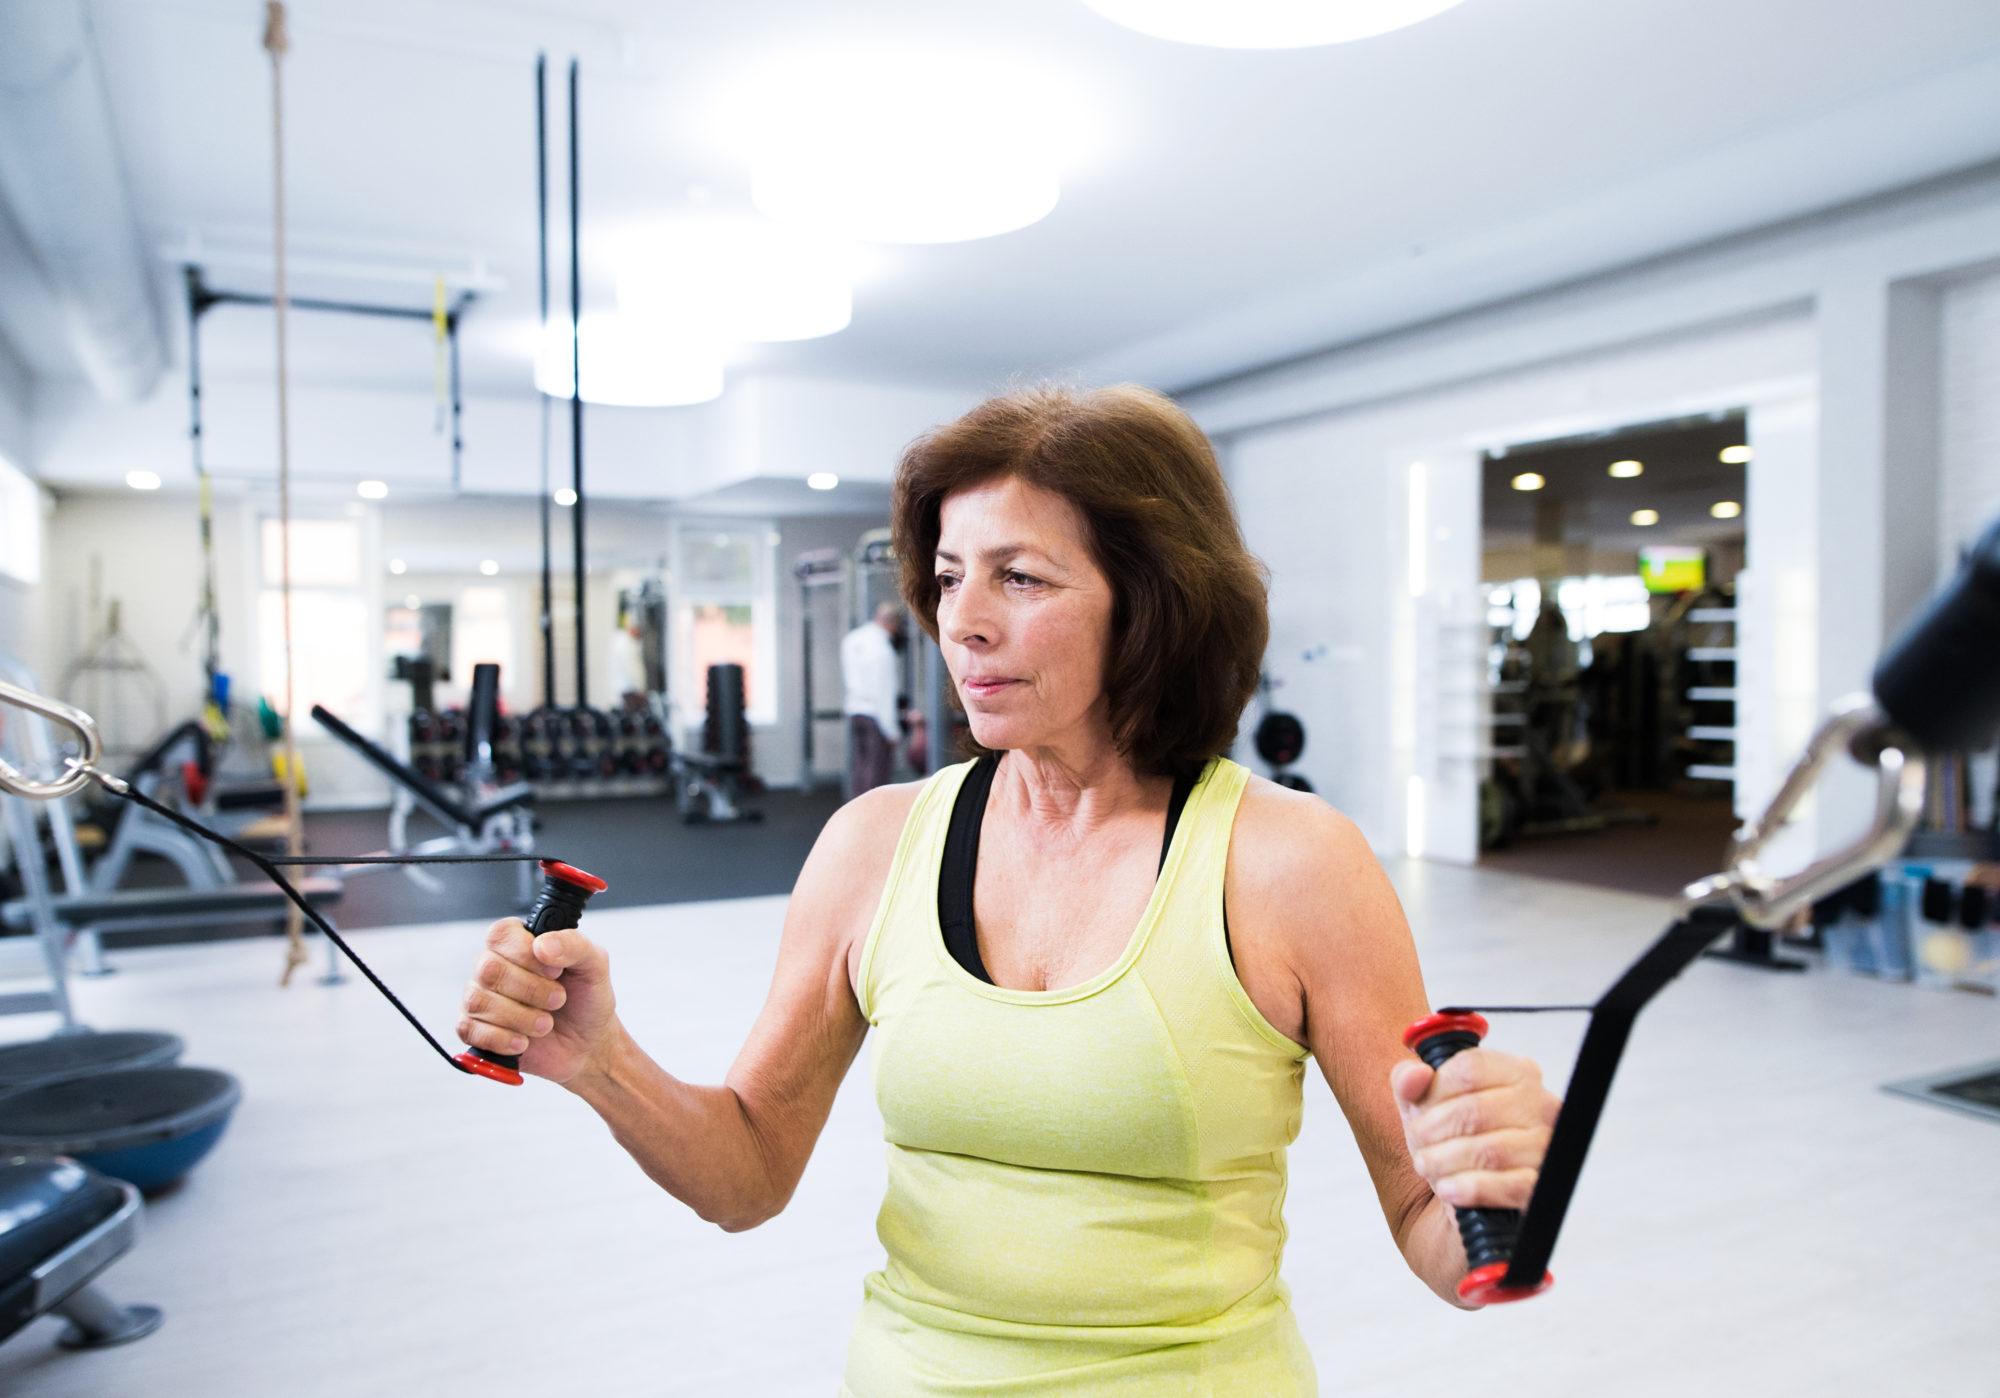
1432,1248
697,1143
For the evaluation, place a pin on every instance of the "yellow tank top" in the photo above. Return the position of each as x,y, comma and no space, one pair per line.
1086,1184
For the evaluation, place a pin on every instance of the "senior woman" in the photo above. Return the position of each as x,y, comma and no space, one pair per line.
1097,957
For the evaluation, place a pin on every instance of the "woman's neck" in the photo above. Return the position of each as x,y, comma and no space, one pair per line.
1075,789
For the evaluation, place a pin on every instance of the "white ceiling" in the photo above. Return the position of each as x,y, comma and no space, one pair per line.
1220,208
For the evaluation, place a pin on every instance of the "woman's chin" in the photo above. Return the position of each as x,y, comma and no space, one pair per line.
994,733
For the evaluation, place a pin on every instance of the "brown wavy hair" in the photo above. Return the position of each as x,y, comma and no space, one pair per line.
1188,623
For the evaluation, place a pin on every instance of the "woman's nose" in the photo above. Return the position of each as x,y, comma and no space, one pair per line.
967,616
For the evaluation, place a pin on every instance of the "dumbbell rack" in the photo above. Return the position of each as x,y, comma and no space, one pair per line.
563,753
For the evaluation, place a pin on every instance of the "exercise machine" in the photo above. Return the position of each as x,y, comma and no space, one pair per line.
72,914
61,1225
480,818
711,784
826,584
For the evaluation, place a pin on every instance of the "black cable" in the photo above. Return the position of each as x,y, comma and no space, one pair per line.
320,860
269,868
576,390
1516,1009
541,348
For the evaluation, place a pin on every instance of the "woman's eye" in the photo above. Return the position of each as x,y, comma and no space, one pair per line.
947,581
1014,575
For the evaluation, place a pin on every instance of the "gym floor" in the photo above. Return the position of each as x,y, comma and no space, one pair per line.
1685,838
1755,1208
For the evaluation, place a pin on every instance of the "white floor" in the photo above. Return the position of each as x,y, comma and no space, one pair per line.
1757,1217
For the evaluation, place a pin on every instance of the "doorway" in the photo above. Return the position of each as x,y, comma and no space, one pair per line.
1609,568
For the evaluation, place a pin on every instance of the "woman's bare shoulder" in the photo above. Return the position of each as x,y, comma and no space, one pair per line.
1286,839
858,844
875,818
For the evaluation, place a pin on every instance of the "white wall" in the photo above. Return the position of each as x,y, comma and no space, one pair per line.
1845,336
765,425
17,609
142,552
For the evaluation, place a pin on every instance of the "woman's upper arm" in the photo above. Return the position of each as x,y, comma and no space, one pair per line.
1324,909
810,1028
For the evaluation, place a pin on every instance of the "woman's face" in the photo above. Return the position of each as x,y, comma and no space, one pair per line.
1024,614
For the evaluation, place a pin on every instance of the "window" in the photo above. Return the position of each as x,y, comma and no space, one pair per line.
20,525
1591,605
332,657
724,612
482,631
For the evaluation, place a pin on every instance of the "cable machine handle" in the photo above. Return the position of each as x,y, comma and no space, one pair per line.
557,908
1489,1235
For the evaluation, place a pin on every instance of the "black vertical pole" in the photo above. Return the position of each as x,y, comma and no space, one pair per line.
541,348
576,388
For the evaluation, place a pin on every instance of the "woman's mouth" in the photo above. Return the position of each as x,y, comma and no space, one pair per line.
980,686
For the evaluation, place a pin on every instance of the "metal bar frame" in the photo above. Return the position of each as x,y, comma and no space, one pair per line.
203,298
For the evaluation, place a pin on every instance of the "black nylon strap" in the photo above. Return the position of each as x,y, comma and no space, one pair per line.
1611,1021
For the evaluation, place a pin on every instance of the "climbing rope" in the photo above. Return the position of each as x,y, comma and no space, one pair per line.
276,43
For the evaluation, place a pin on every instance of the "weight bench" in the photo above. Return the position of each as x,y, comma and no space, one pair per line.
488,822
142,909
61,1225
708,788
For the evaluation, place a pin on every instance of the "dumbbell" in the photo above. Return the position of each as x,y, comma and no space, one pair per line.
1488,1234
559,906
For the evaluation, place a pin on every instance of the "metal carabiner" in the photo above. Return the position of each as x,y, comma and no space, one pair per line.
82,769
1859,729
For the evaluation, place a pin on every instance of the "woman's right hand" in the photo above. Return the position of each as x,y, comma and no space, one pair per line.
546,998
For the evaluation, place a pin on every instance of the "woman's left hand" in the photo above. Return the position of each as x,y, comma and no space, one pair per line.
1478,1128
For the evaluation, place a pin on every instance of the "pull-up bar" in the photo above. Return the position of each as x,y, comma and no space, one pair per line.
202,298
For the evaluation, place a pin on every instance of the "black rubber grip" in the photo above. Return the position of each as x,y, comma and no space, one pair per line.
1488,1234
557,908
1939,680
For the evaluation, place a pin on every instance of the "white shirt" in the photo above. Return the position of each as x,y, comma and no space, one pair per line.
872,673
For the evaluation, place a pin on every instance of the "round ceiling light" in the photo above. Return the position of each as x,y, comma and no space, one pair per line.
372,490
1267,24
143,480
1626,470
822,480
1645,519
628,364
1528,480
738,277
1737,455
1726,509
906,150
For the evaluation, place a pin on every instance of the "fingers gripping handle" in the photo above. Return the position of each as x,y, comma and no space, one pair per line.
559,906
1488,1234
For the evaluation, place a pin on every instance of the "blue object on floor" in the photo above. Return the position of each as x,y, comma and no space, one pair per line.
147,1126
66,1055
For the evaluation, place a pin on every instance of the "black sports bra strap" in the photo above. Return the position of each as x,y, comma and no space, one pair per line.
961,860
961,857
